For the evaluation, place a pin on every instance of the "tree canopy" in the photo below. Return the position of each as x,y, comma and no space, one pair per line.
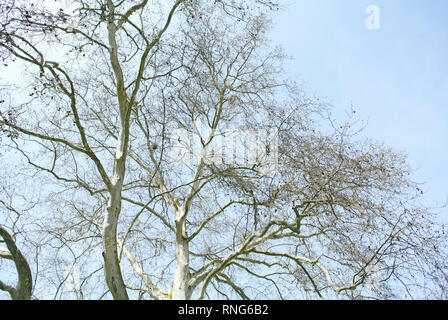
159,150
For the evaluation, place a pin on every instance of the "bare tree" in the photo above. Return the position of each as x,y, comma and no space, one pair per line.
220,182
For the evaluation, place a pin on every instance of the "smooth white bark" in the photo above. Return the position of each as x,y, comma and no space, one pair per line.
181,289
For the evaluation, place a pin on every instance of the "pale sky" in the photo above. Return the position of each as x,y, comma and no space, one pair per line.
396,77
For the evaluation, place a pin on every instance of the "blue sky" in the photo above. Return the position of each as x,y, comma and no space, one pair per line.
396,77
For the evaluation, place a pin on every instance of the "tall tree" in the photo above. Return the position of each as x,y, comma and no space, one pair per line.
169,134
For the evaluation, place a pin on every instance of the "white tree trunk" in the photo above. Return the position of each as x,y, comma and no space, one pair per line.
181,289
112,269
